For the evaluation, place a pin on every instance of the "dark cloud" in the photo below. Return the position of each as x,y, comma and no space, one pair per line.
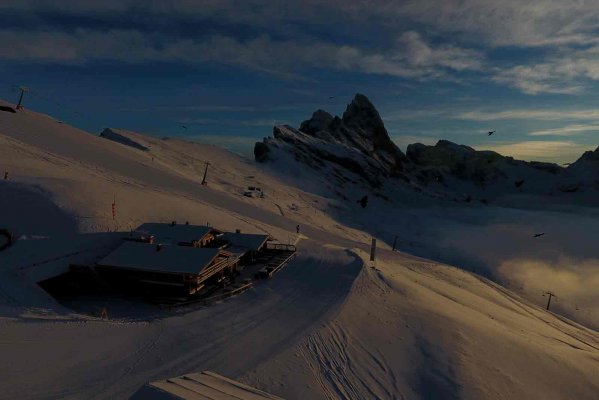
408,39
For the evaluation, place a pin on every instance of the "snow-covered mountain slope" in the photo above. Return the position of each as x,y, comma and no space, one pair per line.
328,326
415,329
38,150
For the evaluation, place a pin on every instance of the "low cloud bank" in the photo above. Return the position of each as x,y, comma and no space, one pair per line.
574,282
499,243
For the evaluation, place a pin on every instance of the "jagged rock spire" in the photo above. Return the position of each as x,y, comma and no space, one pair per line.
361,127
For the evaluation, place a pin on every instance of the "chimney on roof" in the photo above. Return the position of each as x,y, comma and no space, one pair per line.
237,230
186,222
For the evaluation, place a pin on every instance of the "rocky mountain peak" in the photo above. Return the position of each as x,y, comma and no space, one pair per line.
362,115
357,142
361,127
322,125
590,155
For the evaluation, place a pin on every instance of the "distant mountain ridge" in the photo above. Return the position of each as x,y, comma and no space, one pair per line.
358,145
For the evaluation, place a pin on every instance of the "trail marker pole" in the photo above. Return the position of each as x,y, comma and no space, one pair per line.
114,208
205,173
394,243
373,250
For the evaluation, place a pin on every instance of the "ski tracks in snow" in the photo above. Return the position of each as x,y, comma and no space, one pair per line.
346,368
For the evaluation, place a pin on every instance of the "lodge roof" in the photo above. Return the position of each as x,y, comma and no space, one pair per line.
169,259
169,233
248,241
200,386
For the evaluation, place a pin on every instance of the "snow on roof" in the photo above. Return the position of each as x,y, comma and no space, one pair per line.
249,241
200,386
170,258
237,251
167,233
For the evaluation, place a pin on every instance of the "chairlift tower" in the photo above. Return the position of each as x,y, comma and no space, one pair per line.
550,295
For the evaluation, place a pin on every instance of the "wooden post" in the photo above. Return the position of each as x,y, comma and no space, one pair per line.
373,249
205,173
394,243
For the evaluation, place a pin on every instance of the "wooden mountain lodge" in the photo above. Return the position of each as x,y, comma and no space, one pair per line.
166,269
174,260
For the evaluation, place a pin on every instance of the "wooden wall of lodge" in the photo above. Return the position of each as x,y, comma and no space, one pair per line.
177,281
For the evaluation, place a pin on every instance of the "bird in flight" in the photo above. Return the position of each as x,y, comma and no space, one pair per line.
539,234
492,132
183,126
331,97
363,201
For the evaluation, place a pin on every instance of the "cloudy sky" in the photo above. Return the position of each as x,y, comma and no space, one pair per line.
229,70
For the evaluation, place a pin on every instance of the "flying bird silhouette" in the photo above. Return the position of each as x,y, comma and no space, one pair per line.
539,234
363,201
331,97
183,126
519,183
492,132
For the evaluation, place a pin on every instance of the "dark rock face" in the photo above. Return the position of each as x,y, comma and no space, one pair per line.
582,174
320,125
463,162
361,117
479,167
360,127
117,137
261,151
545,166
446,152
358,142
589,156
